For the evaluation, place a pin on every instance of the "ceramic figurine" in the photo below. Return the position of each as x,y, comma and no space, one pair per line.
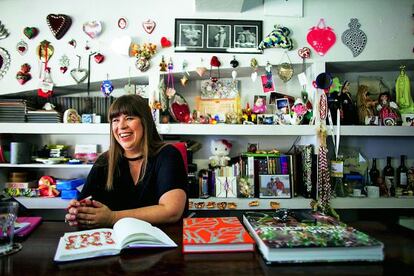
348,114
387,110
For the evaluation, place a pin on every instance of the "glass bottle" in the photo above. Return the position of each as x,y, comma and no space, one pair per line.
389,177
374,173
402,177
337,173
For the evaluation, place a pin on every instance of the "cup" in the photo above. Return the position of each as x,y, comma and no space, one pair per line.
372,191
356,192
20,153
8,215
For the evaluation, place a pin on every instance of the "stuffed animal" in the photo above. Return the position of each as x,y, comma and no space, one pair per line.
220,150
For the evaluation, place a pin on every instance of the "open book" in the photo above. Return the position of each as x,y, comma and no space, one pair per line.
126,233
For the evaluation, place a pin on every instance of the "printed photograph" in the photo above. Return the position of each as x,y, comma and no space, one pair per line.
191,35
275,186
245,36
218,36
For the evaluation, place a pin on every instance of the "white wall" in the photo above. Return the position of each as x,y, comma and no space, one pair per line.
388,25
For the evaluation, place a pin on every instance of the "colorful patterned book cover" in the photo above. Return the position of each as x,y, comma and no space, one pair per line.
304,236
223,234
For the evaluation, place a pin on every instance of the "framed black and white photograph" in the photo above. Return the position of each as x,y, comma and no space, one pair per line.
275,186
217,36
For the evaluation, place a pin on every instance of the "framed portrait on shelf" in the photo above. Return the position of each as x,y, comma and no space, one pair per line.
275,186
217,36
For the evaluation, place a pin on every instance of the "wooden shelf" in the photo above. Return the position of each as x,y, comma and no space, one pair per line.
397,131
45,166
373,203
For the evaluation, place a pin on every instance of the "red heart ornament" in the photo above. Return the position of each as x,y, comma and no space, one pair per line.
165,42
304,52
149,26
59,24
30,32
321,38
63,69
99,58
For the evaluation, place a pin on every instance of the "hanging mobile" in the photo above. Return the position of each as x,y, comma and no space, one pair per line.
107,86
234,63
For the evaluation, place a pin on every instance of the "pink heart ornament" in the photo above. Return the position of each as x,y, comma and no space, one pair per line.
92,28
321,38
149,26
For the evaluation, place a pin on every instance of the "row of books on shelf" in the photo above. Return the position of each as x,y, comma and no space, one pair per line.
281,236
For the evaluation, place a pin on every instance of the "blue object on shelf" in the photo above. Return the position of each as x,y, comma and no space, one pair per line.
69,194
69,184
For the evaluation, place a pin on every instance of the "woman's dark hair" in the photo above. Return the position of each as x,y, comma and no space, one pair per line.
151,143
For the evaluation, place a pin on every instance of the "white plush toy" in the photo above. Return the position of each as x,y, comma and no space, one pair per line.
220,150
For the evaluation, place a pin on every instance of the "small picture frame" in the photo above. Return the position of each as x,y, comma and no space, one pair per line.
259,105
266,119
274,186
407,119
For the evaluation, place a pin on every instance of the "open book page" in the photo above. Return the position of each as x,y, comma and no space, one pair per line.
131,232
86,244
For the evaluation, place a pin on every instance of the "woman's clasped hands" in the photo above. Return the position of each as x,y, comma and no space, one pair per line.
89,213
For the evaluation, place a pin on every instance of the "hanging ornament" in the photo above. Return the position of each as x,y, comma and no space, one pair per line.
278,38
122,23
24,75
201,70
4,62
3,31
215,62
165,43
78,74
99,58
254,65
267,79
354,38
129,88
59,24
170,91
304,53
92,28
64,64
22,47
142,64
321,37
72,43
234,74
107,86
285,70
184,78
149,26
45,50
45,89
163,65
30,32
234,63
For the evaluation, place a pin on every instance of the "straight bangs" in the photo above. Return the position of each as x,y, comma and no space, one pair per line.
123,106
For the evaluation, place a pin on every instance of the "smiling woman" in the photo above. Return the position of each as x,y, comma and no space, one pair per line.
138,176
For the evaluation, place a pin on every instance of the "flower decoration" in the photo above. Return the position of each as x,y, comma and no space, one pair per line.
143,53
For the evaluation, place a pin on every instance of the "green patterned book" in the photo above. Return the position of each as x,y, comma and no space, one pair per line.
305,236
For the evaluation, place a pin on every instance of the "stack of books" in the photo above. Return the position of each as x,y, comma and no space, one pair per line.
288,236
13,110
44,116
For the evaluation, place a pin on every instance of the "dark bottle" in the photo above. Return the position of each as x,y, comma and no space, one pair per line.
389,177
402,176
374,173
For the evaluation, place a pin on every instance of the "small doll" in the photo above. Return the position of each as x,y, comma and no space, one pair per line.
71,116
347,105
366,105
220,150
388,110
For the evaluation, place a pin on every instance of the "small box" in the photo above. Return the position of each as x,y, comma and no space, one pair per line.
69,194
69,184
87,118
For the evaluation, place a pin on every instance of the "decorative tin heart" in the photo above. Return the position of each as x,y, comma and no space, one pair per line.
79,75
304,52
149,26
321,38
59,24
4,62
99,58
30,32
22,47
165,42
45,50
93,28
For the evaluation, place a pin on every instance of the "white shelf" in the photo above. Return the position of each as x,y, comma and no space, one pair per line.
45,166
228,129
397,131
53,128
373,203
243,203
43,202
